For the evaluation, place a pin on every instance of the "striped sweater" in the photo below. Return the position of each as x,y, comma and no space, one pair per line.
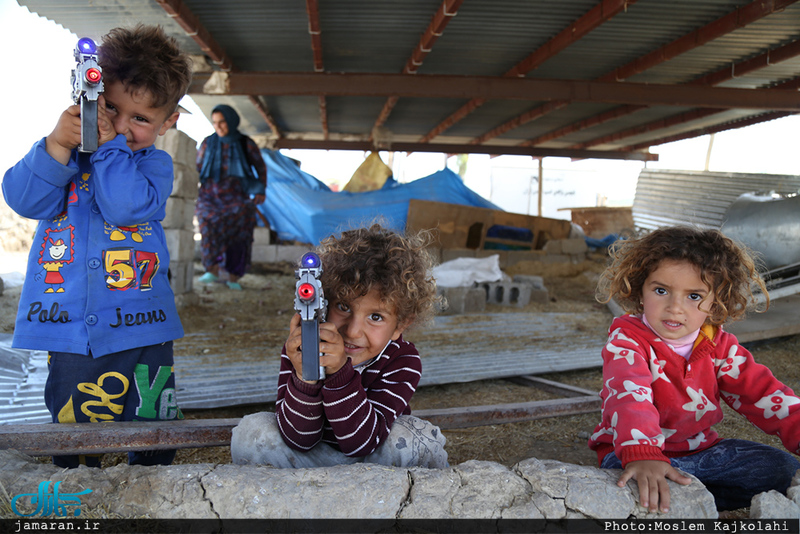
352,410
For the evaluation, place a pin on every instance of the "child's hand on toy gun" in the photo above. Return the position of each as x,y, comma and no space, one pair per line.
331,347
105,128
66,136
652,477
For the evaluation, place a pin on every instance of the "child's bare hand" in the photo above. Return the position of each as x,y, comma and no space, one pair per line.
293,343
332,346
105,128
652,477
66,136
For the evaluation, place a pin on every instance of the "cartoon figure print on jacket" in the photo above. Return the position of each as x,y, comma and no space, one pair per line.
96,285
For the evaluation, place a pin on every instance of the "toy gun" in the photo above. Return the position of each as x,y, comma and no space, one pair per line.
310,302
87,85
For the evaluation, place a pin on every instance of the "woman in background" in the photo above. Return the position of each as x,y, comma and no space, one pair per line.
233,181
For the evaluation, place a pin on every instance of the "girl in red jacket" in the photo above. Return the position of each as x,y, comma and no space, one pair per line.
668,363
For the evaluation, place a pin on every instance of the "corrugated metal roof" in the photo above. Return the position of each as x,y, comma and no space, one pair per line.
485,38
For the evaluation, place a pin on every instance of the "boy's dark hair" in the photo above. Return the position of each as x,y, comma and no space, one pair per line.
398,266
726,267
146,58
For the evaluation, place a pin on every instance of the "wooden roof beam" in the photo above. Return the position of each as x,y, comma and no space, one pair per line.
191,24
451,148
755,119
600,13
770,57
447,10
448,86
738,18
314,29
674,120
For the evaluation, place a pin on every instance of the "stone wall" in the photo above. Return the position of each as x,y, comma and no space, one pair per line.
532,489
178,225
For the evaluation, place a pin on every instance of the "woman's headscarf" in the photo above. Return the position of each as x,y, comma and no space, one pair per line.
229,147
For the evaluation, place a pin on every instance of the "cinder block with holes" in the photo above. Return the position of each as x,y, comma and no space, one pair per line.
508,293
460,300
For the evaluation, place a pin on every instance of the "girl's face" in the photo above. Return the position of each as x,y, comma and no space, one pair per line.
672,296
366,325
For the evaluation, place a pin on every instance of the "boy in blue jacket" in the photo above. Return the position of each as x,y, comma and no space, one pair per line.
96,293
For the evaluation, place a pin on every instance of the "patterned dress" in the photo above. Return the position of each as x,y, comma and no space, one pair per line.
227,216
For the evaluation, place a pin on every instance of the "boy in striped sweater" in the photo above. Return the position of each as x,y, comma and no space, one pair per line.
378,284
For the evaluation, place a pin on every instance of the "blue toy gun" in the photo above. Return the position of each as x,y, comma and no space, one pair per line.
87,85
310,303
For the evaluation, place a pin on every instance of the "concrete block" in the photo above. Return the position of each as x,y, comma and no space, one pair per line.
454,253
264,253
180,213
576,246
181,275
502,255
291,253
540,296
180,146
436,254
516,256
180,244
536,282
261,236
508,294
554,246
557,258
460,300
186,182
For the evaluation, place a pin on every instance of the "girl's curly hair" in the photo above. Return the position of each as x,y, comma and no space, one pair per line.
729,269
399,267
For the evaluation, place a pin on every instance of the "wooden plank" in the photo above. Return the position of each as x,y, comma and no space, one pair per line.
456,226
76,438
781,319
470,416
82,438
551,386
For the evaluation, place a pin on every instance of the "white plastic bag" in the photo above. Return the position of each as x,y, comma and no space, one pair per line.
462,272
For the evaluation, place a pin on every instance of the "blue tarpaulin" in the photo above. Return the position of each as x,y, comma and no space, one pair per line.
301,208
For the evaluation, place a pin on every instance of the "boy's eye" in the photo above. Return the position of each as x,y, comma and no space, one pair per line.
376,317
110,107
660,291
342,307
140,119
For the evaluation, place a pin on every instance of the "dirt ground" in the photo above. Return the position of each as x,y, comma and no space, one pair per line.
257,318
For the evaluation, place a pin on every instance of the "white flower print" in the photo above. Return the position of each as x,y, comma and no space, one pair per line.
620,352
667,432
777,404
699,403
732,399
731,365
640,393
657,367
639,438
696,440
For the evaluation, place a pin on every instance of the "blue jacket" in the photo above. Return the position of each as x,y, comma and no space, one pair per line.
96,279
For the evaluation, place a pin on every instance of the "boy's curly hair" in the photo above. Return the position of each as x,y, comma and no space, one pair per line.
398,266
146,58
729,269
